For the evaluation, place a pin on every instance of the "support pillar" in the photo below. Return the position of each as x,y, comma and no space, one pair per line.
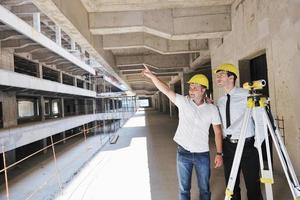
44,143
164,104
37,21
60,77
42,108
40,70
76,107
184,85
171,105
73,45
62,107
58,35
64,136
85,106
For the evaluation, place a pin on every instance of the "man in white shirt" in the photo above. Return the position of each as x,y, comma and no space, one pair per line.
195,118
232,107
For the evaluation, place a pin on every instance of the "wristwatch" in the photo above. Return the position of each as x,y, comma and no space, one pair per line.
220,154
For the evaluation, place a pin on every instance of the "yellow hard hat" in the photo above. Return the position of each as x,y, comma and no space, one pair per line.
199,79
227,67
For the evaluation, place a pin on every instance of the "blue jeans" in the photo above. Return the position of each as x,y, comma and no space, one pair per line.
185,163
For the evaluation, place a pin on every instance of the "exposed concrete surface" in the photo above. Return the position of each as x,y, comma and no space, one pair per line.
273,27
15,137
164,23
121,5
22,27
9,78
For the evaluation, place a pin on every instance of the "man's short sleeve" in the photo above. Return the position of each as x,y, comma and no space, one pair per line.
216,120
179,100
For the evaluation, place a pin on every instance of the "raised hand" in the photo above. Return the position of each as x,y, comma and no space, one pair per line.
146,72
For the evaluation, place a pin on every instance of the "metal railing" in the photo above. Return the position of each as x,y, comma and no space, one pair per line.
84,132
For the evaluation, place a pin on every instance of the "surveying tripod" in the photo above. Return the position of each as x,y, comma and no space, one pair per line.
258,108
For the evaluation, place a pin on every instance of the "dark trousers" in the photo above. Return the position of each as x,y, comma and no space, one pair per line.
249,166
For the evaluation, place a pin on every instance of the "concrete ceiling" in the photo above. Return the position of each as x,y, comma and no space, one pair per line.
171,37
163,35
130,5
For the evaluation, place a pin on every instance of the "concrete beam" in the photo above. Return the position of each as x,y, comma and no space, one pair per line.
153,69
24,9
156,61
152,42
202,59
30,49
9,78
203,23
10,34
138,72
15,137
142,80
16,43
20,26
64,65
58,62
123,5
15,2
42,57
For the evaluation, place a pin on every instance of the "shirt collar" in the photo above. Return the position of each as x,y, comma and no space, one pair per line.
201,105
232,91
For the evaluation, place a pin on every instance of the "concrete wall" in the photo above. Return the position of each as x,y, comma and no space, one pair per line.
9,103
273,27
9,108
6,59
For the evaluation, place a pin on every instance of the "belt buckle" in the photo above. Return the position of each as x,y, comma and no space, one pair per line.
234,140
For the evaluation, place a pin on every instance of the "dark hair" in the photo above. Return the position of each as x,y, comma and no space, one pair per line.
234,76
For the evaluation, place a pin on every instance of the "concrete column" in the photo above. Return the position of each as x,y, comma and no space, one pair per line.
170,102
73,45
58,35
37,21
75,82
164,104
9,109
113,105
42,108
63,136
44,143
62,107
184,85
104,105
76,107
104,127
94,106
85,106
60,77
40,70
158,101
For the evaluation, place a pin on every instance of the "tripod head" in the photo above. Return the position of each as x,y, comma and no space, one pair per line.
255,99
254,85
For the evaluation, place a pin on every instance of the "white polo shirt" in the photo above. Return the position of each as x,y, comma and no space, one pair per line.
194,122
238,106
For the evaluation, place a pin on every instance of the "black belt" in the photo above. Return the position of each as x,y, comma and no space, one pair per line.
248,139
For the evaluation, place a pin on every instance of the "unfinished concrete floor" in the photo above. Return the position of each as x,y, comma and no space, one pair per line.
141,166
